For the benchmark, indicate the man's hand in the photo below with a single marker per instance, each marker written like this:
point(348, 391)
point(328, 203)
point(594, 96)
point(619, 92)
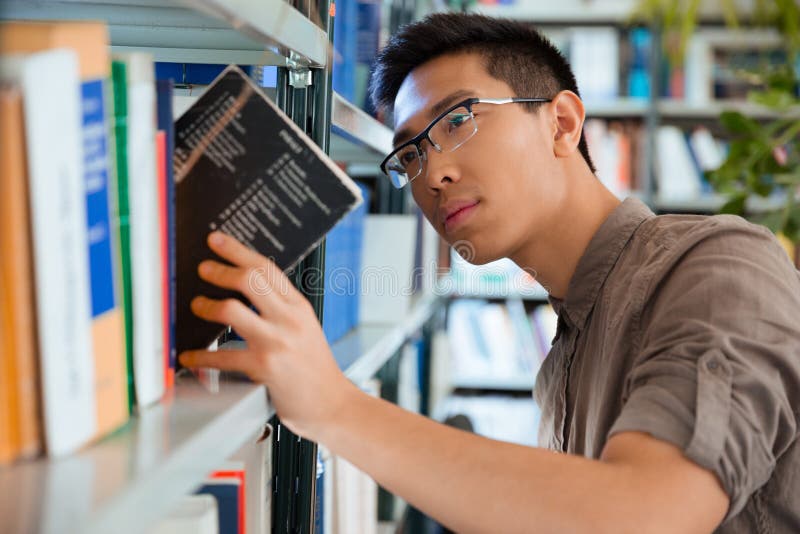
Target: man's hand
point(286, 349)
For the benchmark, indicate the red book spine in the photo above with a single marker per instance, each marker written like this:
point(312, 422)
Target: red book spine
point(236, 473)
point(161, 157)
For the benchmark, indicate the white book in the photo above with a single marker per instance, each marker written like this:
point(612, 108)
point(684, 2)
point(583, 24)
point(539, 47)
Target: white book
point(387, 267)
point(354, 494)
point(146, 256)
point(677, 176)
point(594, 55)
point(194, 514)
point(53, 133)
point(706, 149)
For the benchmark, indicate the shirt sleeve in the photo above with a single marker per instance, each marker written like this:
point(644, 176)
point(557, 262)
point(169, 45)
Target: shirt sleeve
point(718, 369)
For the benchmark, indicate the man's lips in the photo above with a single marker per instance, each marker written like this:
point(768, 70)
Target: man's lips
point(455, 212)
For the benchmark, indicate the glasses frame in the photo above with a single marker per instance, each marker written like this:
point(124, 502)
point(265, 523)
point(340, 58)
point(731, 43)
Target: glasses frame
point(425, 134)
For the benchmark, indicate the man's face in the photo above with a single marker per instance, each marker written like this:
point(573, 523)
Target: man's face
point(501, 188)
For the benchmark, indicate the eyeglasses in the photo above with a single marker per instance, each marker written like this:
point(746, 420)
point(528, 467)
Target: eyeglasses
point(447, 132)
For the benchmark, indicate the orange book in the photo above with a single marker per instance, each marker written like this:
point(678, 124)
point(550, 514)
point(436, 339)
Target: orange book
point(91, 43)
point(8, 425)
point(20, 435)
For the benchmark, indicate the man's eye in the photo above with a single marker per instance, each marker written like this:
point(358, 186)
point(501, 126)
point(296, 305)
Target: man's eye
point(407, 157)
point(456, 120)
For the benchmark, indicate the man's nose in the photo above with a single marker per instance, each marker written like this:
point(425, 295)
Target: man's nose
point(439, 168)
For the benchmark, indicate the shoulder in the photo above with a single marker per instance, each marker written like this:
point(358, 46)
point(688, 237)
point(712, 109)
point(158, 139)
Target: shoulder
point(672, 236)
point(668, 249)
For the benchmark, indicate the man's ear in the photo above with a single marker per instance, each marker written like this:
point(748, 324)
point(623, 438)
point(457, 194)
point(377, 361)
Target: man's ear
point(569, 115)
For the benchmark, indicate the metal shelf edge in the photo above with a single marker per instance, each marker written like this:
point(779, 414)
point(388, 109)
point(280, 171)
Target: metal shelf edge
point(355, 125)
point(369, 362)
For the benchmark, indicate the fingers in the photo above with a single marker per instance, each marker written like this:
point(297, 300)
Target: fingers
point(230, 312)
point(259, 276)
point(241, 361)
point(237, 253)
point(251, 282)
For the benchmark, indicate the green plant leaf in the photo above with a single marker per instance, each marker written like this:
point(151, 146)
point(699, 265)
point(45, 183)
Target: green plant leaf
point(734, 205)
point(773, 98)
point(737, 123)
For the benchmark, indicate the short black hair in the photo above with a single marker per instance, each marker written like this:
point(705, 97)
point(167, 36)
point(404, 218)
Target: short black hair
point(513, 52)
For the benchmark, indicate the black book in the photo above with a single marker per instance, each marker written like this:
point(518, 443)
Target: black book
point(243, 167)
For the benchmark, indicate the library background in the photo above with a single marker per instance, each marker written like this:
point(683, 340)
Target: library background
point(691, 111)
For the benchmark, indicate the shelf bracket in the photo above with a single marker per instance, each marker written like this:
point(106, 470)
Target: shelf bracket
point(299, 74)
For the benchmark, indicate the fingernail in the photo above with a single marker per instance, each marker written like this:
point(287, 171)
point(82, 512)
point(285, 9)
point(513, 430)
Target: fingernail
point(216, 238)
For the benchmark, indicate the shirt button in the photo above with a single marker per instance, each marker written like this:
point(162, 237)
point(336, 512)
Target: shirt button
point(712, 365)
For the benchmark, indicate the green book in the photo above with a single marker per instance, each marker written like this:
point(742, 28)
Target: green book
point(122, 211)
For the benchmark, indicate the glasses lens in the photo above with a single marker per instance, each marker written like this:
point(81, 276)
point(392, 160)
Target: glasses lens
point(404, 166)
point(398, 179)
point(454, 129)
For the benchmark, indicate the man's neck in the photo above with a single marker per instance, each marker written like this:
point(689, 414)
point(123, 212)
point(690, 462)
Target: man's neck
point(554, 255)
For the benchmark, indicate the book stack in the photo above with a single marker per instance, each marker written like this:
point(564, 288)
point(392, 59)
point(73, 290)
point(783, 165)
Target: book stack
point(616, 148)
point(358, 34)
point(682, 159)
point(494, 346)
point(90, 254)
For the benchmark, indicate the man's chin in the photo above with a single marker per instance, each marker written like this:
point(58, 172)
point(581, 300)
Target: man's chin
point(475, 253)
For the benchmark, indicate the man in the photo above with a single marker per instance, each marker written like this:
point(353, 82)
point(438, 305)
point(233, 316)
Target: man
point(670, 395)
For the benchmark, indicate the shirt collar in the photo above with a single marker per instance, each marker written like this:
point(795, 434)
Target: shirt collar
point(598, 259)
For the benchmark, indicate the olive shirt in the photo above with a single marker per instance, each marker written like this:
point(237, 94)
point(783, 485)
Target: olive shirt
point(686, 328)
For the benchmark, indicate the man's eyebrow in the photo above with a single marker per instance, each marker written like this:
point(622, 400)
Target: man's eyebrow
point(406, 133)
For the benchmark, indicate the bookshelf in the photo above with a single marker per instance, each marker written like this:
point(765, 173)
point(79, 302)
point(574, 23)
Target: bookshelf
point(131, 478)
point(127, 481)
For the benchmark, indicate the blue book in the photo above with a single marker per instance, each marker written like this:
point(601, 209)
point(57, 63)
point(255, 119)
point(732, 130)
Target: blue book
point(226, 492)
point(639, 72)
point(357, 246)
point(192, 73)
point(344, 44)
point(108, 327)
point(343, 272)
point(335, 282)
point(368, 37)
point(96, 163)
